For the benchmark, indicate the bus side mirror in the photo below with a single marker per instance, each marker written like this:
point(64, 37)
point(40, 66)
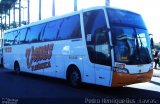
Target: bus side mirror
point(152, 42)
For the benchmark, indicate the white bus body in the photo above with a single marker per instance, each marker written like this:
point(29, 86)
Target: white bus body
point(82, 47)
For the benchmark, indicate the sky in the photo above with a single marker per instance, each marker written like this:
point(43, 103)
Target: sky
point(149, 9)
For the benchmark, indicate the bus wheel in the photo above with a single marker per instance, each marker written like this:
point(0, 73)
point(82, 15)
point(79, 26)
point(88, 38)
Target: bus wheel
point(16, 68)
point(74, 77)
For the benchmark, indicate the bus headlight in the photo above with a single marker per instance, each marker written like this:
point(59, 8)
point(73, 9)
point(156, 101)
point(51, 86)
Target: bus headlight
point(121, 70)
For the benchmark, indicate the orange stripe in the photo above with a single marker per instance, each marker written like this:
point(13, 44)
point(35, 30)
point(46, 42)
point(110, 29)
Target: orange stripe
point(121, 79)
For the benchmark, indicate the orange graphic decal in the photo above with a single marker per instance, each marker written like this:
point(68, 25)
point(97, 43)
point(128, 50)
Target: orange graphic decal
point(39, 57)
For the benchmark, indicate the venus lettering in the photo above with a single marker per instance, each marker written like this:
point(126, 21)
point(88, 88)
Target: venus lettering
point(37, 54)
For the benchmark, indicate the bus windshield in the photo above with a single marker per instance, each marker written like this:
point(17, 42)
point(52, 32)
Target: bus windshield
point(130, 39)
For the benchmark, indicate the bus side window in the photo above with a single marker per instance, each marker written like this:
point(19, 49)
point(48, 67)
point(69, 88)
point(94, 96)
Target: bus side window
point(70, 28)
point(6, 39)
point(102, 48)
point(97, 38)
point(27, 35)
point(50, 31)
point(22, 36)
point(34, 33)
point(9, 38)
point(16, 38)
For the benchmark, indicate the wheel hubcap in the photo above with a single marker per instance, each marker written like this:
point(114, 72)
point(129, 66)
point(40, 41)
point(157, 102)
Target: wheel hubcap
point(74, 78)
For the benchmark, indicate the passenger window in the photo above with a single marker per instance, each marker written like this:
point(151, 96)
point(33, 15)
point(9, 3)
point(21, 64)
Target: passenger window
point(97, 37)
point(70, 28)
point(9, 38)
point(16, 38)
point(34, 32)
point(22, 36)
point(51, 30)
point(102, 47)
point(6, 36)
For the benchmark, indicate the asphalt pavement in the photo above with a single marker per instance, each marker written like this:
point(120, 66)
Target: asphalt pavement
point(28, 88)
point(156, 73)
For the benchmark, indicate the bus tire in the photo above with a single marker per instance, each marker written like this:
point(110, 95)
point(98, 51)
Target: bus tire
point(16, 68)
point(74, 76)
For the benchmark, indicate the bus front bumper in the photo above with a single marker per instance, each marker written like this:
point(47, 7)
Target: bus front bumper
point(122, 79)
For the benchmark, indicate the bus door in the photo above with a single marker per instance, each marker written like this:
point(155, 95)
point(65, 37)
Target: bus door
point(102, 57)
point(98, 47)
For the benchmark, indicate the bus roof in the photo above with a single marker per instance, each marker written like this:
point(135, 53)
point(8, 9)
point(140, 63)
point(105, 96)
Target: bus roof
point(60, 17)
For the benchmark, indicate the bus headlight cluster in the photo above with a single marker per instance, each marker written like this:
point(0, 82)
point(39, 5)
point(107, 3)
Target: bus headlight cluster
point(121, 70)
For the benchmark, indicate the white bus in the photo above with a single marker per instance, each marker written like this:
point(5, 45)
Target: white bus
point(100, 45)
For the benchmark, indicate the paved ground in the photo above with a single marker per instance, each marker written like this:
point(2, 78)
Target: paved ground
point(28, 88)
point(156, 73)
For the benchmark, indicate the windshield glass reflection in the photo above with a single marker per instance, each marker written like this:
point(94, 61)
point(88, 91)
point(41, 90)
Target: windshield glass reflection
point(130, 45)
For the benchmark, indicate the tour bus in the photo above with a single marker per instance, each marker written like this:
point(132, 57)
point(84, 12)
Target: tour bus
point(100, 45)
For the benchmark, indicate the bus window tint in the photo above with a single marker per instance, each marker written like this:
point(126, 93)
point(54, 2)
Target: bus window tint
point(15, 38)
point(51, 31)
point(6, 39)
point(94, 20)
point(22, 36)
point(9, 38)
point(33, 33)
point(70, 28)
point(102, 47)
point(98, 46)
